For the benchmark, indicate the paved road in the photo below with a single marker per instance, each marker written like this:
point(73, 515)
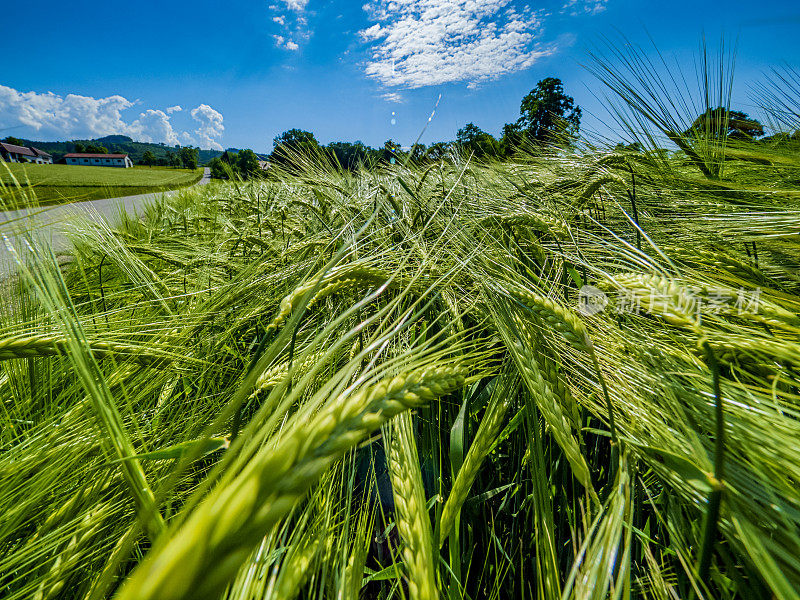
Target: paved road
point(52, 222)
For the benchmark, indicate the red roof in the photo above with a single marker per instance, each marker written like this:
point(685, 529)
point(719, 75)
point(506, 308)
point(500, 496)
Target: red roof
point(11, 148)
point(79, 155)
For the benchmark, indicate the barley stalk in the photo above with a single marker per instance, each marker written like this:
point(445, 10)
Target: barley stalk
point(539, 221)
point(204, 554)
point(72, 555)
point(336, 280)
point(411, 515)
point(521, 343)
point(295, 569)
point(490, 426)
point(33, 346)
point(717, 258)
point(595, 185)
point(658, 296)
point(551, 314)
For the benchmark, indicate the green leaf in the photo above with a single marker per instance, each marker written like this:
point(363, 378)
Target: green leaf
point(178, 450)
point(390, 572)
point(576, 278)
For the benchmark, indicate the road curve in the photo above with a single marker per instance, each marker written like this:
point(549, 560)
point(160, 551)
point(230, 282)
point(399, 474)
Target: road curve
point(52, 222)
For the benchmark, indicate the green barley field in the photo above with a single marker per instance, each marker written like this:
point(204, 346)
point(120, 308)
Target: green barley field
point(58, 184)
point(573, 374)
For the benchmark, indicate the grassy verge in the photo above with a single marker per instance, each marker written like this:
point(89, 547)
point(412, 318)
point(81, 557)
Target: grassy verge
point(21, 185)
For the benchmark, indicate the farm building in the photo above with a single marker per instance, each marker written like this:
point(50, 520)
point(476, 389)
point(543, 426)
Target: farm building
point(99, 160)
point(23, 154)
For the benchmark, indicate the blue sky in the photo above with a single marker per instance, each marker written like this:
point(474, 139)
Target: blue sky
point(237, 74)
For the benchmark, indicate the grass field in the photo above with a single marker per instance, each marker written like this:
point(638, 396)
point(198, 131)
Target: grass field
point(571, 375)
point(57, 184)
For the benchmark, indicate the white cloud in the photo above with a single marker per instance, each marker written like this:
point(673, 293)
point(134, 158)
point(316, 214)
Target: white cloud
point(211, 127)
point(395, 97)
point(428, 42)
point(72, 115)
point(51, 116)
point(584, 7)
point(293, 24)
point(296, 5)
point(153, 126)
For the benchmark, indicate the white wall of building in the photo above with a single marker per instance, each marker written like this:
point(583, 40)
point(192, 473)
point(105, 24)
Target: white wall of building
point(101, 162)
point(21, 158)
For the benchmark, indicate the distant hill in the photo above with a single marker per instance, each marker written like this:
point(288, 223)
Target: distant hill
point(118, 143)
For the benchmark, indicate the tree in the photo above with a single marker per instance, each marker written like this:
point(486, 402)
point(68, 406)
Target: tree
point(189, 157)
point(219, 168)
point(548, 115)
point(295, 141)
point(79, 148)
point(149, 158)
point(512, 138)
point(349, 155)
point(391, 151)
point(292, 146)
point(473, 140)
point(733, 124)
point(95, 149)
point(438, 151)
point(14, 141)
point(418, 152)
point(247, 163)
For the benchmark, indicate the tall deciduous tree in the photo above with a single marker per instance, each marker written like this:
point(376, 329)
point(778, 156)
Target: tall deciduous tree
point(149, 158)
point(548, 114)
point(295, 141)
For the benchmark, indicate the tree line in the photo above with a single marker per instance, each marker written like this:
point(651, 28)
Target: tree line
point(547, 116)
point(141, 153)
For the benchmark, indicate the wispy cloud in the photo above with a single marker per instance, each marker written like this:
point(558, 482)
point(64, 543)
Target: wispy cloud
point(49, 115)
point(296, 5)
point(418, 43)
point(395, 97)
point(293, 23)
point(584, 7)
